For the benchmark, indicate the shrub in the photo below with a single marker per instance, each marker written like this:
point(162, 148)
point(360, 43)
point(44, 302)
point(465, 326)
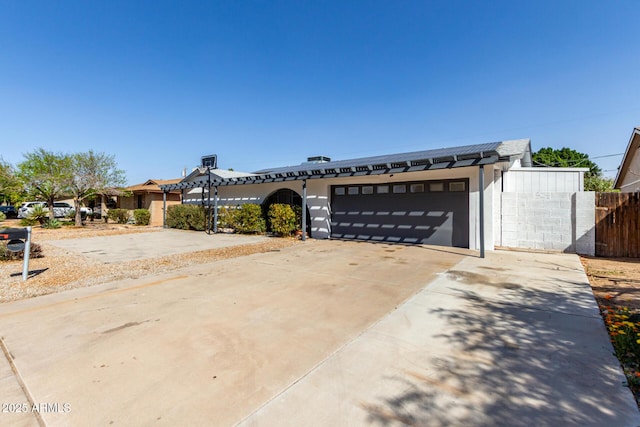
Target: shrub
point(72, 215)
point(51, 223)
point(142, 216)
point(2, 216)
point(227, 217)
point(282, 219)
point(249, 219)
point(27, 222)
point(7, 255)
point(186, 217)
point(120, 216)
point(38, 214)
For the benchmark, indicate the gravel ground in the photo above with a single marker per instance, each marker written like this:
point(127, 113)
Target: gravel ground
point(60, 270)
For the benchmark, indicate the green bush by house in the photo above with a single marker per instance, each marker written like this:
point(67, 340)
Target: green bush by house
point(282, 219)
point(249, 219)
point(227, 217)
point(186, 217)
point(120, 216)
point(142, 216)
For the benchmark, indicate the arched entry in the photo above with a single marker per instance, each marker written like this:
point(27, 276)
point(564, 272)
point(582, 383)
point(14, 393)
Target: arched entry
point(288, 197)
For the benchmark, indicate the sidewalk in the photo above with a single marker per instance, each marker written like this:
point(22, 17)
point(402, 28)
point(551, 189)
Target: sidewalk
point(512, 340)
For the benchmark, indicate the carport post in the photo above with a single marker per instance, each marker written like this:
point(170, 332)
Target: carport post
point(481, 191)
point(304, 210)
point(164, 209)
point(208, 201)
point(215, 209)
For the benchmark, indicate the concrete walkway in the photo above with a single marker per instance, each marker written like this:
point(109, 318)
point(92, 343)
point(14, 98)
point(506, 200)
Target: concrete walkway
point(326, 333)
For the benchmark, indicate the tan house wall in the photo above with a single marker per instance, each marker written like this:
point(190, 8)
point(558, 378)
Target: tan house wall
point(151, 201)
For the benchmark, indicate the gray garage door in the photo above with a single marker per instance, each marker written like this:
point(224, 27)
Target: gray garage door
point(423, 212)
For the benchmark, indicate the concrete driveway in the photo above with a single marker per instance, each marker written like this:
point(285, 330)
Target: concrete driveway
point(135, 246)
point(325, 333)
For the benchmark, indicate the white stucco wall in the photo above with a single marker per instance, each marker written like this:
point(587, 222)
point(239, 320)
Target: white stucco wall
point(234, 195)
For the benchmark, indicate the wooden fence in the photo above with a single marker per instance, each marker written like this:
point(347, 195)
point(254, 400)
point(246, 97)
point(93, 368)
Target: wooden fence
point(618, 225)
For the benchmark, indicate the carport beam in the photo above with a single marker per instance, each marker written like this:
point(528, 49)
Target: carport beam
point(304, 210)
point(481, 213)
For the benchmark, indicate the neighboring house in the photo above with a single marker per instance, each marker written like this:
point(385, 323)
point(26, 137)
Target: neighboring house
point(628, 177)
point(475, 196)
point(148, 195)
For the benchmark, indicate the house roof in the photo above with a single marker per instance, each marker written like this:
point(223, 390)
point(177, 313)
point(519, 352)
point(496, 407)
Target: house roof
point(442, 158)
point(153, 185)
point(216, 174)
point(632, 147)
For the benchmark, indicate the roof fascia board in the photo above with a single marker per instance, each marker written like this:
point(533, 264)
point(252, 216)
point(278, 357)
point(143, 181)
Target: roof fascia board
point(632, 146)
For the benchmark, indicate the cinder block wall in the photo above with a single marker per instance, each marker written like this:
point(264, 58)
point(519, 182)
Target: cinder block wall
point(553, 221)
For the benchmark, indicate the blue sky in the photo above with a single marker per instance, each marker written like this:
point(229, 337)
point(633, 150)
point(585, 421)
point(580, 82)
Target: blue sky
point(158, 84)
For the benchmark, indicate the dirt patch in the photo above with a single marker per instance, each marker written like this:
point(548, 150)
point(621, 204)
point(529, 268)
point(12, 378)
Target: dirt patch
point(615, 281)
point(616, 286)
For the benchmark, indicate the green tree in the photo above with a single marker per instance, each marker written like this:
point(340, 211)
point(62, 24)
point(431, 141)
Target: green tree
point(9, 184)
point(598, 183)
point(45, 174)
point(565, 158)
point(568, 158)
point(92, 173)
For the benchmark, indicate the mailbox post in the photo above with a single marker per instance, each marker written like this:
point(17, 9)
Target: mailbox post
point(19, 239)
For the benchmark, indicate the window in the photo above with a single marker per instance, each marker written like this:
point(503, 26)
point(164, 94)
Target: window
point(354, 190)
point(436, 186)
point(416, 188)
point(382, 189)
point(456, 186)
point(399, 188)
point(338, 191)
point(367, 189)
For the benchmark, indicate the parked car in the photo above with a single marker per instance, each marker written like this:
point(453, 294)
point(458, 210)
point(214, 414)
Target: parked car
point(26, 208)
point(60, 209)
point(9, 211)
point(63, 209)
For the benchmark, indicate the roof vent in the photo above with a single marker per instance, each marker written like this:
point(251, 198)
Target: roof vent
point(318, 159)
